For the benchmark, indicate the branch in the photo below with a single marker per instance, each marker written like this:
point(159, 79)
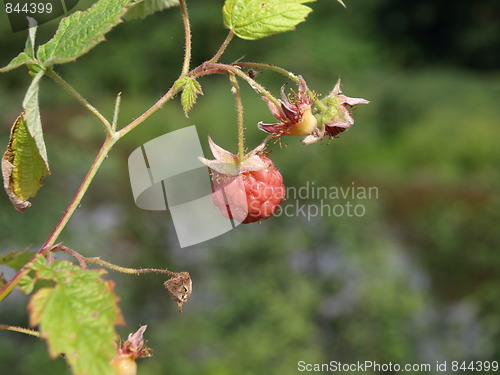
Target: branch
point(60, 81)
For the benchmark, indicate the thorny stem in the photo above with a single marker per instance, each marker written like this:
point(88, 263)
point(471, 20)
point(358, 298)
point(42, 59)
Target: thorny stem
point(222, 48)
point(96, 260)
point(273, 68)
point(59, 80)
point(27, 331)
point(187, 31)
point(239, 111)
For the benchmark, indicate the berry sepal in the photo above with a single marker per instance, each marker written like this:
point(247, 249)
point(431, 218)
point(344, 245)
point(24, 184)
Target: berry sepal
point(229, 164)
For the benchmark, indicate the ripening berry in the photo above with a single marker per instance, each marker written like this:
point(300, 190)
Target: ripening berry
point(245, 189)
point(250, 196)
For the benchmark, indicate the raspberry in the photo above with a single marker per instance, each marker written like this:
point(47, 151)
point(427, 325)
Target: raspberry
point(249, 196)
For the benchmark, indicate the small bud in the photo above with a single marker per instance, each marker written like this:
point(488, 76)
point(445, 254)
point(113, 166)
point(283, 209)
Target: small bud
point(179, 287)
point(129, 351)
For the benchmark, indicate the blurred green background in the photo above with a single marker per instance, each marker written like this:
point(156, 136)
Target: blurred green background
point(416, 279)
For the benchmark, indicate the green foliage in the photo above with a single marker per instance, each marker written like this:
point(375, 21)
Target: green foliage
point(27, 56)
point(255, 19)
point(81, 31)
point(143, 8)
point(32, 116)
point(77, 315)
point(414, 281)
point(15, 259)
point(23, 166)
point(190, 91)
point(21, 59)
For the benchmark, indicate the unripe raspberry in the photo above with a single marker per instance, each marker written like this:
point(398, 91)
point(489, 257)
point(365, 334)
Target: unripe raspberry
point(124, 364)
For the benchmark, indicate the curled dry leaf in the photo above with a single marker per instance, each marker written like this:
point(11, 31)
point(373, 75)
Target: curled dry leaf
point(23, 167)
point(179, 287)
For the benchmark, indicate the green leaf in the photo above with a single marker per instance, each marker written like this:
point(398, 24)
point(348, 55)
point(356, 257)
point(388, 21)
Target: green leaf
point(28, 55)
point(26, 284)
point(82, 31)
point(255, 19)
point(32, 116)
point(16, 259)
point(144, 8)
point(77, 316)
point(30, 42)
point(191, 89)
point(16, 62)
point(23, 168)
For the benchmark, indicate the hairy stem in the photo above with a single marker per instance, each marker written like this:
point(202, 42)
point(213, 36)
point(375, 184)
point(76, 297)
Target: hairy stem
point(257, 87)
point(59, 80)
point(96, 260)
point(116, 111)
point(101, 156)
point(239, 111)
point(130, 271)
point(155, 107)
point(26, 331)
point(223, 47)
point(273, 68)
point(187, 31)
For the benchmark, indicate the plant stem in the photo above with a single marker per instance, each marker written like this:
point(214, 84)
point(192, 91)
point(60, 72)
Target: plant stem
point(155, 107)
point(59, 80)
point(222, 48)
point(101, 156)
point(273, 68)
point(96, 260)
point(130, 271)
point(239, 111)
point(27, 331)
point(187, 31)
point(116, 111)
point(237, 71)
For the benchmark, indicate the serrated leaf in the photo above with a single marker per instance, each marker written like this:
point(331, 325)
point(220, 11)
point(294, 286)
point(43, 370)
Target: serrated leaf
point(26, 284)
point(23, 168)
point(144, 8)
point(15, 259)
point(191, 90)
point(255, 19)
point(77, 317)
point(82, 31)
